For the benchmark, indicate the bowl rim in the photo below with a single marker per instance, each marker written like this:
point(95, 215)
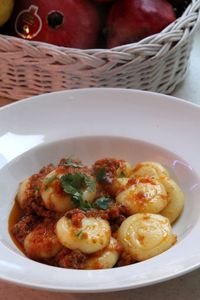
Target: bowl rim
point(113, 94)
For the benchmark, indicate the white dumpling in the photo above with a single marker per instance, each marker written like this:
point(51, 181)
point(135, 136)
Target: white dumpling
point(118, 185)
point(42, 242)
point(93, 235)
point(150, 169)
point(22, 192)
point(145, 196)
point(146, 235)
point(124, 169)
point(107, 169)
point(88, 195)
point(176, 200)
point(105, 258)
point(54, 196)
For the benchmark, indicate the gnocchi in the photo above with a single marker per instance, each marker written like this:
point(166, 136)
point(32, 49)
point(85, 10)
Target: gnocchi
point(150, 169)
point(146, 235)
point(176, 200)
point(106, 258)
point(112, 174)
point(22, 193)
point(144, 196)
point(53, 195)
point(105, 215)
point(93, 234)
point(42, 242)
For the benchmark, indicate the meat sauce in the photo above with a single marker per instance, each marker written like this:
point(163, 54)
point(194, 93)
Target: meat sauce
point(21, 224)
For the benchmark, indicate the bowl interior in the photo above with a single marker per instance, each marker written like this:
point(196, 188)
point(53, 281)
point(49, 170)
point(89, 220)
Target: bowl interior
point(88, 149)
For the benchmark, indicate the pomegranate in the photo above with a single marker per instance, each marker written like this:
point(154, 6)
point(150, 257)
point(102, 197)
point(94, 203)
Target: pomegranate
point(70, 23)
point(131, 20)
point(104, 1)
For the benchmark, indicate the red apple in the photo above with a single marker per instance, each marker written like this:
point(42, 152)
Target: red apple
point(131, 20)
point(70, 23)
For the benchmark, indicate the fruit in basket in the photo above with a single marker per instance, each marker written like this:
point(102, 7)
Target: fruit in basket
point(70, 23)
point(104, 1)
point(179, 6)
point(6, 8)
point(131, 20)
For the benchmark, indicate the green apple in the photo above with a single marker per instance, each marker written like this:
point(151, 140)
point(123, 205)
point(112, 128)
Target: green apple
point(6, 8)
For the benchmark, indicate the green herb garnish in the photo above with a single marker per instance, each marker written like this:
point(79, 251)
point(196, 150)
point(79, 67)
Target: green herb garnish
point(71, 163)
point(102, 203)
point(101, 175)
point(73, 184)
point(36, 188)
point(49, 180)
point(79, 234)
point(90, 183)
point(122, 174)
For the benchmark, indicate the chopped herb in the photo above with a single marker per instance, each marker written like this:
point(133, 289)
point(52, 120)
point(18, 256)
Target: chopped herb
point(50, 179)
point(90, 183)
point(79, 234)
point(85, 205)
point(122, 174)
point(77, 199)
point(36, 188)
point(102, 203)
point(101, 175)
point(73, 184)
point(71, 163)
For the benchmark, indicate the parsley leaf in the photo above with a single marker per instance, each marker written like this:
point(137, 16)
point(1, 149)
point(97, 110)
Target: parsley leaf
point(90, 183)
point(79, 234)
point(102, 203)
point(122, 174)
point(73, 184)
point(101, 175)
point(71, 163)
point(36, 188)
point(85, 205)
point(48, 180)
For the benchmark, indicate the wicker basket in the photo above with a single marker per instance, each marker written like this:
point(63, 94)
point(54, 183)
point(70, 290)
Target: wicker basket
point(157, 63)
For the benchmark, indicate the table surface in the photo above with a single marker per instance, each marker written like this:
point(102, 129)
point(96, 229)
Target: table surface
point(182, 288)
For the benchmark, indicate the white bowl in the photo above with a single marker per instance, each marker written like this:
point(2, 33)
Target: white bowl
point(90, 124)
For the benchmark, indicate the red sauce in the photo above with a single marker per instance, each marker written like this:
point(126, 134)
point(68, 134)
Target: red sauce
point(15, 215)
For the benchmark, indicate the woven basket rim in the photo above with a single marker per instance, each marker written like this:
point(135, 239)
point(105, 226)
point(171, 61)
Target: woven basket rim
point(177, 26)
